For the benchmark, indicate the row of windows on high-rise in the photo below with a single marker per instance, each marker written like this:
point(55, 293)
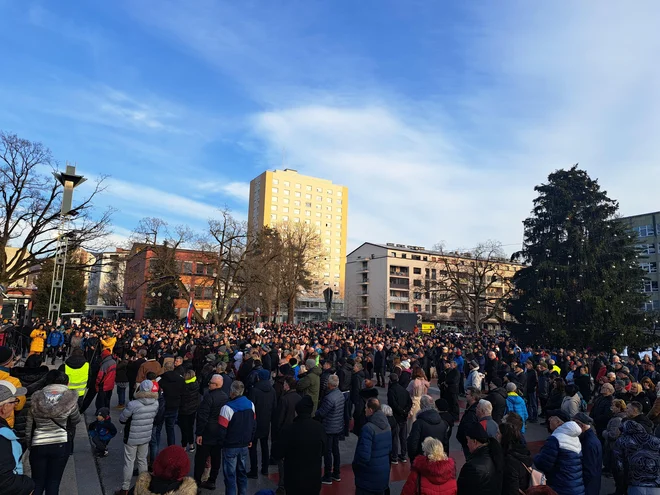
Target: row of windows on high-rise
point(308, 188)
point(646, 230)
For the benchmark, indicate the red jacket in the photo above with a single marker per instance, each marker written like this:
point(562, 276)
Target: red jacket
point(438, 478)
point(106, 375)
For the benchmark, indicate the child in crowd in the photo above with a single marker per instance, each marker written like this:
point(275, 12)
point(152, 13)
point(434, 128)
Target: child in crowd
point(102, 431)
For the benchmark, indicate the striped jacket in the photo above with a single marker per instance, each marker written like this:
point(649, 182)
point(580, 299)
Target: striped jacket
point(238, 423)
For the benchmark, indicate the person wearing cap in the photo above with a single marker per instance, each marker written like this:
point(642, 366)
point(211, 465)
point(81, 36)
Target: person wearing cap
point(482, 472)
point(169, 476)
point(560, 458)
point(102, 431)
point(7, 360)
point(51, 421)
point(105, 379)
point(138, 418)
point(12, 479)
point(592, 454)
point(309, 383)
point(475, 378)
point(302, 444)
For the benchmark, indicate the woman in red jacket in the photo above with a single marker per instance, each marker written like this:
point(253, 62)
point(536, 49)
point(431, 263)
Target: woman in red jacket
point(432, 473)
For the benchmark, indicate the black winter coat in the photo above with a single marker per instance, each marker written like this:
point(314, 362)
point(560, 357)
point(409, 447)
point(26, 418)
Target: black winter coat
point(380, 360)
point(601, 413)
point(359, 415)
point(399, 400)
point(121, 373)
point(583, 383)
point(480, 474)
point(132, 369)
point(516, 476)
point(357, 384)
point(452, 380)
point(263, 397)
point(428, 424)
point(285, 412)
point(497, 398)
point(190, 397)
point(172, 384)
point(345, 375)
point(532, 381)
point(302, 445)
point(207, 416)
point(469, 416)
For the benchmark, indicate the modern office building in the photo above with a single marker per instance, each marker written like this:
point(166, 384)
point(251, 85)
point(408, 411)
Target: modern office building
point(287, 197)
point(106, 278)
point(384, 279)
point(647, 227)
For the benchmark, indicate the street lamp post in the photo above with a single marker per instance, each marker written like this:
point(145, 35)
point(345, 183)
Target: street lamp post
point(70, 181)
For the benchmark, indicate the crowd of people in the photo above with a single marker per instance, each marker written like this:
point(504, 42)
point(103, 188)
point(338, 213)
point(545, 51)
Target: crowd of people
point(244, 399)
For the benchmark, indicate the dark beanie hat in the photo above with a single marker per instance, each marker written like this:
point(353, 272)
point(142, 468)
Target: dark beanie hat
point(263, 375)
point(442, 405)
point(305, 406)
point(172, 463)
point(497, 381)
point(476, 432)
point(5, 354)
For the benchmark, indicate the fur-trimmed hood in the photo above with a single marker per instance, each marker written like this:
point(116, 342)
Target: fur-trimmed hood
point(54, 401)
point(146, 395)
point(142, 486)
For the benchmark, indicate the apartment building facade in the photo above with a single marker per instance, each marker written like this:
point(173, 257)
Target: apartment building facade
point(106, 278)
point(647, 229)
point(385, 279)
point(286, 197)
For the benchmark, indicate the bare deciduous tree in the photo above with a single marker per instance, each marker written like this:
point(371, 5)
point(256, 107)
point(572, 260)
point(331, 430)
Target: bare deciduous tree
point(472, 282)
point(30, 209)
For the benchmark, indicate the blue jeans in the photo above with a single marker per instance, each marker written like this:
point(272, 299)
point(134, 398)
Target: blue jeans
point(121, 395)
point(234, 468)
point(170, 421)
point(532, 406)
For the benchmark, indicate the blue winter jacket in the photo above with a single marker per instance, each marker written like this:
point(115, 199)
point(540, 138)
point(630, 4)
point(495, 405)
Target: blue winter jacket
point(516, 404)
point(331, 412)
point(55, 339)
point(592, 461)
point(371, 463)
point(104, 430)
point(561, 460)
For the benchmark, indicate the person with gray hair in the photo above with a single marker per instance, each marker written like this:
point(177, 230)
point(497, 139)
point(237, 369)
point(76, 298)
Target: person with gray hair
point(309, 383)
point(484, 411)
point(428, 423)
point(331, 414)
point(12, 479)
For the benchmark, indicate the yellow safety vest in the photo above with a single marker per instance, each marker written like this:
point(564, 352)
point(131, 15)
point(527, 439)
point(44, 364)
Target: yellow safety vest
point(78, 378)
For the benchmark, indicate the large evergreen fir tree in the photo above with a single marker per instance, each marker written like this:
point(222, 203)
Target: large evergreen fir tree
point(581, 286)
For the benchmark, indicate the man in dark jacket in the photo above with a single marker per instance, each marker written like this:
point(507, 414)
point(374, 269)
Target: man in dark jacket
point(173, 385)
point(325, 374)
point(428, 424)
point(301, 445)
point(601, 412)
point(399, 400)
point(345, 375)
point(472, 397)
point(380, 363)
point(532, 399)
point(371, 463)
point(132, 371)
point(262, 395)
point(331, 413)
point(482, 472)
point(497, 397)
point(449, 388)
point(592, 454)
point(266, 361)
point(206, 432)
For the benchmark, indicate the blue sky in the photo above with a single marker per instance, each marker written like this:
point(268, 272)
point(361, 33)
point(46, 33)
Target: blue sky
point(440, 118)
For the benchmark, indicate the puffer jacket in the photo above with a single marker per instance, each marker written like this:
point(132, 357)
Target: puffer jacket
point(516, 404)
point(331, 412)
point(592, 462)
point(637, 454)
point(428, 424)
point(371, 463)
point(561, 460)
point(55, 339)
point(5, 375)
point(38, 337)
point(138, 416)
point(190, 397)
point(33, 379)
point(437, 478)
point(310, 384)
point(54, 413)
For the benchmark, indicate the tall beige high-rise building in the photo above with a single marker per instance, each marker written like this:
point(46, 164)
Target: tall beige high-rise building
point(285, 196)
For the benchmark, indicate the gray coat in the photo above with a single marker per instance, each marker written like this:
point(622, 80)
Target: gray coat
point(331, 412)
point(54, 413)
point(138, 416)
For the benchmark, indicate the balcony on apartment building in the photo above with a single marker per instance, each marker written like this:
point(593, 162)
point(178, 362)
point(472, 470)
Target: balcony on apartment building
point(399, 283)
point(364, 268)
point(399, 271)
point(364, 280)
point(399, 299)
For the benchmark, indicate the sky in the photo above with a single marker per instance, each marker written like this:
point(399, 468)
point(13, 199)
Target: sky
point(440, 117)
